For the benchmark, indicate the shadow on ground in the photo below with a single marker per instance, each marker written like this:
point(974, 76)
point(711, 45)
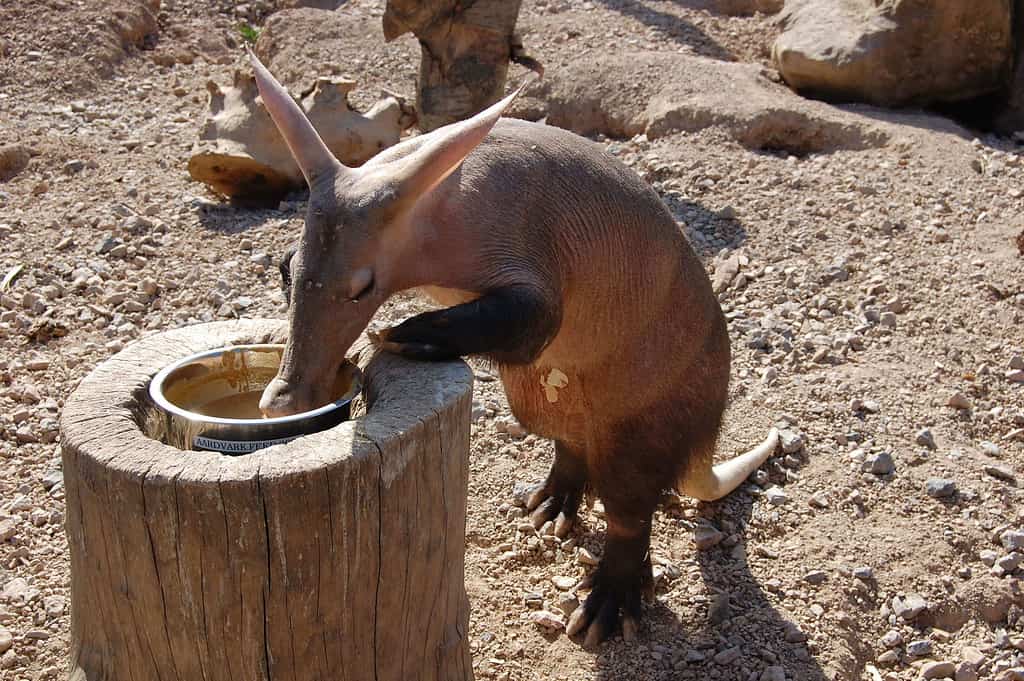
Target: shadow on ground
point(236, 218)
point(673, 26)
point(738, 635)
point(708, 231)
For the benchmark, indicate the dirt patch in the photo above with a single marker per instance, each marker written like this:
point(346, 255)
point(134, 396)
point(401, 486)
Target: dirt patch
point(873, 282)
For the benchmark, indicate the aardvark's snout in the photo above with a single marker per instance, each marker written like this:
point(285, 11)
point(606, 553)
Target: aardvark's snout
point(281, 398)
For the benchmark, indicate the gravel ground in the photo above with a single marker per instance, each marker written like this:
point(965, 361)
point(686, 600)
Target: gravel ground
point(875, 301)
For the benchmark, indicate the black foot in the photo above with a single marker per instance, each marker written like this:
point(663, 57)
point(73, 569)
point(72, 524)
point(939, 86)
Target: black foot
point(622, 579)
point(598, 617)
point(559, 497)
point(424, 352)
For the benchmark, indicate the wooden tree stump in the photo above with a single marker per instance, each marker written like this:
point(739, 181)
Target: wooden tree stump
point(336, 556)
point(466, 48)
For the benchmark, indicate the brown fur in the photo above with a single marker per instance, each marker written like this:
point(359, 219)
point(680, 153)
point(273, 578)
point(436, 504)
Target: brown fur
point(642, 338)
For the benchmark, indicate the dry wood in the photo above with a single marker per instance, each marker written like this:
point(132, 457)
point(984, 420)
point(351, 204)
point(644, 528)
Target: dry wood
point(466, 47)
point(337, 556)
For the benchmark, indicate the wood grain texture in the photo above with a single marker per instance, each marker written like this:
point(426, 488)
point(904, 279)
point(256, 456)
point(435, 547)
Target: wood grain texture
point(465, 51)
point(338, 556)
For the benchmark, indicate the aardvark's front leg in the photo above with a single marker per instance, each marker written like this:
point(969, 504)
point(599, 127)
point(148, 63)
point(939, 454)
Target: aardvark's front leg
point(511, 325)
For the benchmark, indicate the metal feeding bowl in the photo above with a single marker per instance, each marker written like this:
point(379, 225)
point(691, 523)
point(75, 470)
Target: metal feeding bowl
point(211, 401)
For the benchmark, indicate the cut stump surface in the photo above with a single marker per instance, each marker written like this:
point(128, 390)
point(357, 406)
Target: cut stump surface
point(336, 556)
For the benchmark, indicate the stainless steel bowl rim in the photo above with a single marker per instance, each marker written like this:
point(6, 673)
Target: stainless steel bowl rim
point(156, 393)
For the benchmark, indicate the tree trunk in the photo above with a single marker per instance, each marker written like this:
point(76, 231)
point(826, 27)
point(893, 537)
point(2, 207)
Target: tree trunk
point(336, 556)
point(466, 47)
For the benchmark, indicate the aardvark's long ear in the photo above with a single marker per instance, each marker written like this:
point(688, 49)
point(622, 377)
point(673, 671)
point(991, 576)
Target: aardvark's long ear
point(308, 149)
point(441, 151)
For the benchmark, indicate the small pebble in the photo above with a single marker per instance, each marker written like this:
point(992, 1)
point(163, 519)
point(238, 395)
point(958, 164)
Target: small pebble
point(880, 464)
point(728, 656)
point(776, 496)
point(563, 583)
point(921, 648)
point(940, 488)
point(909, 606)
point(892, 639)
point(925, 438)
point(938, 670)
point(958, 401)
point(547, 620)
point(1004, 473)
point(1012, 540)
point(864, 573)
point(705, 537)
point(816, 577)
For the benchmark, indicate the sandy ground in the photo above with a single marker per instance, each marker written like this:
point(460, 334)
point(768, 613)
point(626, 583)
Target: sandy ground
point(874, 294)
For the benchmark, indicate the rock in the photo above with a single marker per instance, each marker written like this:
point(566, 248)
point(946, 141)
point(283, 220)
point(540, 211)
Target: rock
point(725, 271)
point(54, 606)
point(921, 648)
point(888, 658)
point(563, 583)
point(6, 640)
point(973, 656)
point(864, 573)
point(607, 93)
point(719, 610)
point(791, 441)
point(938, 670)
point(988, 557)
point(925, 438)
point(242, 155)
point(1017, 362)
point(727, 656)
point(1015, 376)
point(1012, 540)
point(816, 577)
point(773, 673)
point(1001, 472)
point(510, 426)
point(14, 158)
point(909, 606)
point(776, 496)
point(794, 634)
point(1010, 562)
point(958, 401)
point(585, 557)
point(883, 53)
point(521, 491)
point(51, 479)
point(880, 464)
point(8, 528)
point(892, 639)
point(567, 603)
point(705, 537)
point(547, 620)
point(17, 592)
point(940, 488)
point(965, 672)
point(818, 500)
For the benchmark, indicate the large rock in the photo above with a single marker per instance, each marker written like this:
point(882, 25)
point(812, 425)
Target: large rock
point(895, 52)
point(626, 94)
point(242, 155)
point(1007, 114)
